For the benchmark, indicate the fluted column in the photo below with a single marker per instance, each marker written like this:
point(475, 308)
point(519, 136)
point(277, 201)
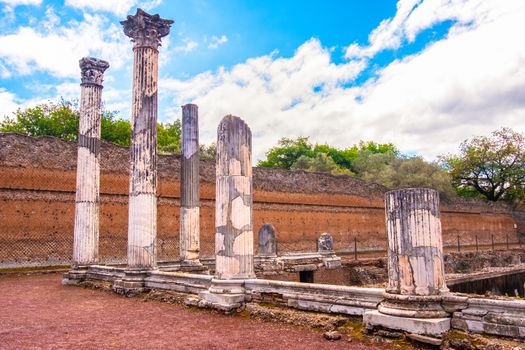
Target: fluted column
point(233, 213)
point(413, 301)
point(415, 254)
point(189, 186)
point(146, 32)
point(86, 231)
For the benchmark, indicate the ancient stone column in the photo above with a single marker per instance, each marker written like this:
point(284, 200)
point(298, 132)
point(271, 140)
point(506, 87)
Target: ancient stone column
point(189, 186)
point(415, 265)
point(233, 208)
point(415, 248)
point(146, 32)
point(233, 216)
point(85, 246)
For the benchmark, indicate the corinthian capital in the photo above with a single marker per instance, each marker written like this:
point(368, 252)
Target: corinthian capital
point(92, 70)
point(145, 29)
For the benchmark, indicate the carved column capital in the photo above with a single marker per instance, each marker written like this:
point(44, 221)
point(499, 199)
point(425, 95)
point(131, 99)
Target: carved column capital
point(145, 29)
point(92, 70)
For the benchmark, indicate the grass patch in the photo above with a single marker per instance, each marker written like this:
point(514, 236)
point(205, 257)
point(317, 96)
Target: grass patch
point(34, 268)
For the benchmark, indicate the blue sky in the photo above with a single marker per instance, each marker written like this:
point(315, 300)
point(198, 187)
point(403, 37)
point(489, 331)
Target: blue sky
point(423, 74)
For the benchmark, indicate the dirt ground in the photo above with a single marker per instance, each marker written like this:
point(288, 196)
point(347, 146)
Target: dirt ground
point(37, 312)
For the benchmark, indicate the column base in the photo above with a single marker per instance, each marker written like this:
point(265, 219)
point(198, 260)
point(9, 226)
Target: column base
point(432, 327)
point(132, 283)
point(75, 276)
point(224, 295)
point(413, 306)
point(192, 266)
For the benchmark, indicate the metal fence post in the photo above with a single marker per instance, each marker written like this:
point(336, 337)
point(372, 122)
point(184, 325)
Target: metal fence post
point(355, 248)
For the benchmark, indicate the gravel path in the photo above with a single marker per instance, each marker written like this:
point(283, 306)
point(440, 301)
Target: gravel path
point(37, 312)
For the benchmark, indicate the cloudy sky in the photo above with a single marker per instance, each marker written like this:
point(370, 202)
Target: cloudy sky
point(422, 74)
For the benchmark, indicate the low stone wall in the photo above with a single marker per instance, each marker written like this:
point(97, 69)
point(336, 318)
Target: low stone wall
point(488, 316)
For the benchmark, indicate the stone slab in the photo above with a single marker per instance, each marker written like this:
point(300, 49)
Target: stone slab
point(431, 326)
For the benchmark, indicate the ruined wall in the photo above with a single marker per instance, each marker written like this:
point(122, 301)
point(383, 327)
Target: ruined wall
point(37, 184)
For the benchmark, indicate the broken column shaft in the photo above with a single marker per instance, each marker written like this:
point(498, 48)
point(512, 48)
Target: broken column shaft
point(189, 186)
point(233, 213)
point(146, 32)
point(86, 231)
point(415, 252)
point(413, 299)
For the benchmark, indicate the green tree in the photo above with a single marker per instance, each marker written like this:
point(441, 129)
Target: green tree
point(51, 119)
point(169, 137)
point(61, 120)
point(492, 167)
point(394, 171)
point(287, 153)
point(115, 130)
point(321, 162)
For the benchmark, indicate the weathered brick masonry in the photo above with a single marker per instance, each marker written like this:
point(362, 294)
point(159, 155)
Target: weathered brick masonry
point(37, 197)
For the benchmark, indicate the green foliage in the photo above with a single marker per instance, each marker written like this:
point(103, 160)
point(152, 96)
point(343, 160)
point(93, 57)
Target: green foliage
point(371, 161)
point(51, 119)
point(394, 171)
point(115, 130)
point(61, 120)
point(208, 152)
point(321, 162)
point(169, 137)
point(491, 167)
point(287, 153)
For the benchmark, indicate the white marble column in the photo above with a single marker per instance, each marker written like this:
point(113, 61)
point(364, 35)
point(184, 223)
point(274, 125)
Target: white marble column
point(233, 211)
point(189, 187)
point(233, 216)
point(415, 248)
point(146, 32)
point(416, 282)
point(86, 232)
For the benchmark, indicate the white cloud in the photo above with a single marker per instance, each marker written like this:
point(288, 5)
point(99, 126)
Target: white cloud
point(275, 95)
point(187, 46)
point(63, 46)
point(8, 103)
point(117, 7)
point(14, 3)
point(216, 41)
point(469, 83)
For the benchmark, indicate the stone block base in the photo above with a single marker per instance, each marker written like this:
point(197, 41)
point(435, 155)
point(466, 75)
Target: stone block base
point(132, 283)
point(75, 276)
point(223, 302)
point(193, 266)
point(434, 327)
point(224, 295)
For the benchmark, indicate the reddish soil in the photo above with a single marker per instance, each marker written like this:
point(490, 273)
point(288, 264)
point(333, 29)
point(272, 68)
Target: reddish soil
point(37, 312)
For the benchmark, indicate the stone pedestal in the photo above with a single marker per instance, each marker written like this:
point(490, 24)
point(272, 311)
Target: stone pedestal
point(267, 241)
point(233, 214)
point(189, 191)
point(416, 280)
point(132, 283)
point(86, 231)
point(75, 276)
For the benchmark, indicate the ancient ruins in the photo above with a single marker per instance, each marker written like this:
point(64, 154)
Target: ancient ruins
point(416, 302)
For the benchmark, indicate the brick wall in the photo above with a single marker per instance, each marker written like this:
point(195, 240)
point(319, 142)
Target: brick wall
point(37, 194)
